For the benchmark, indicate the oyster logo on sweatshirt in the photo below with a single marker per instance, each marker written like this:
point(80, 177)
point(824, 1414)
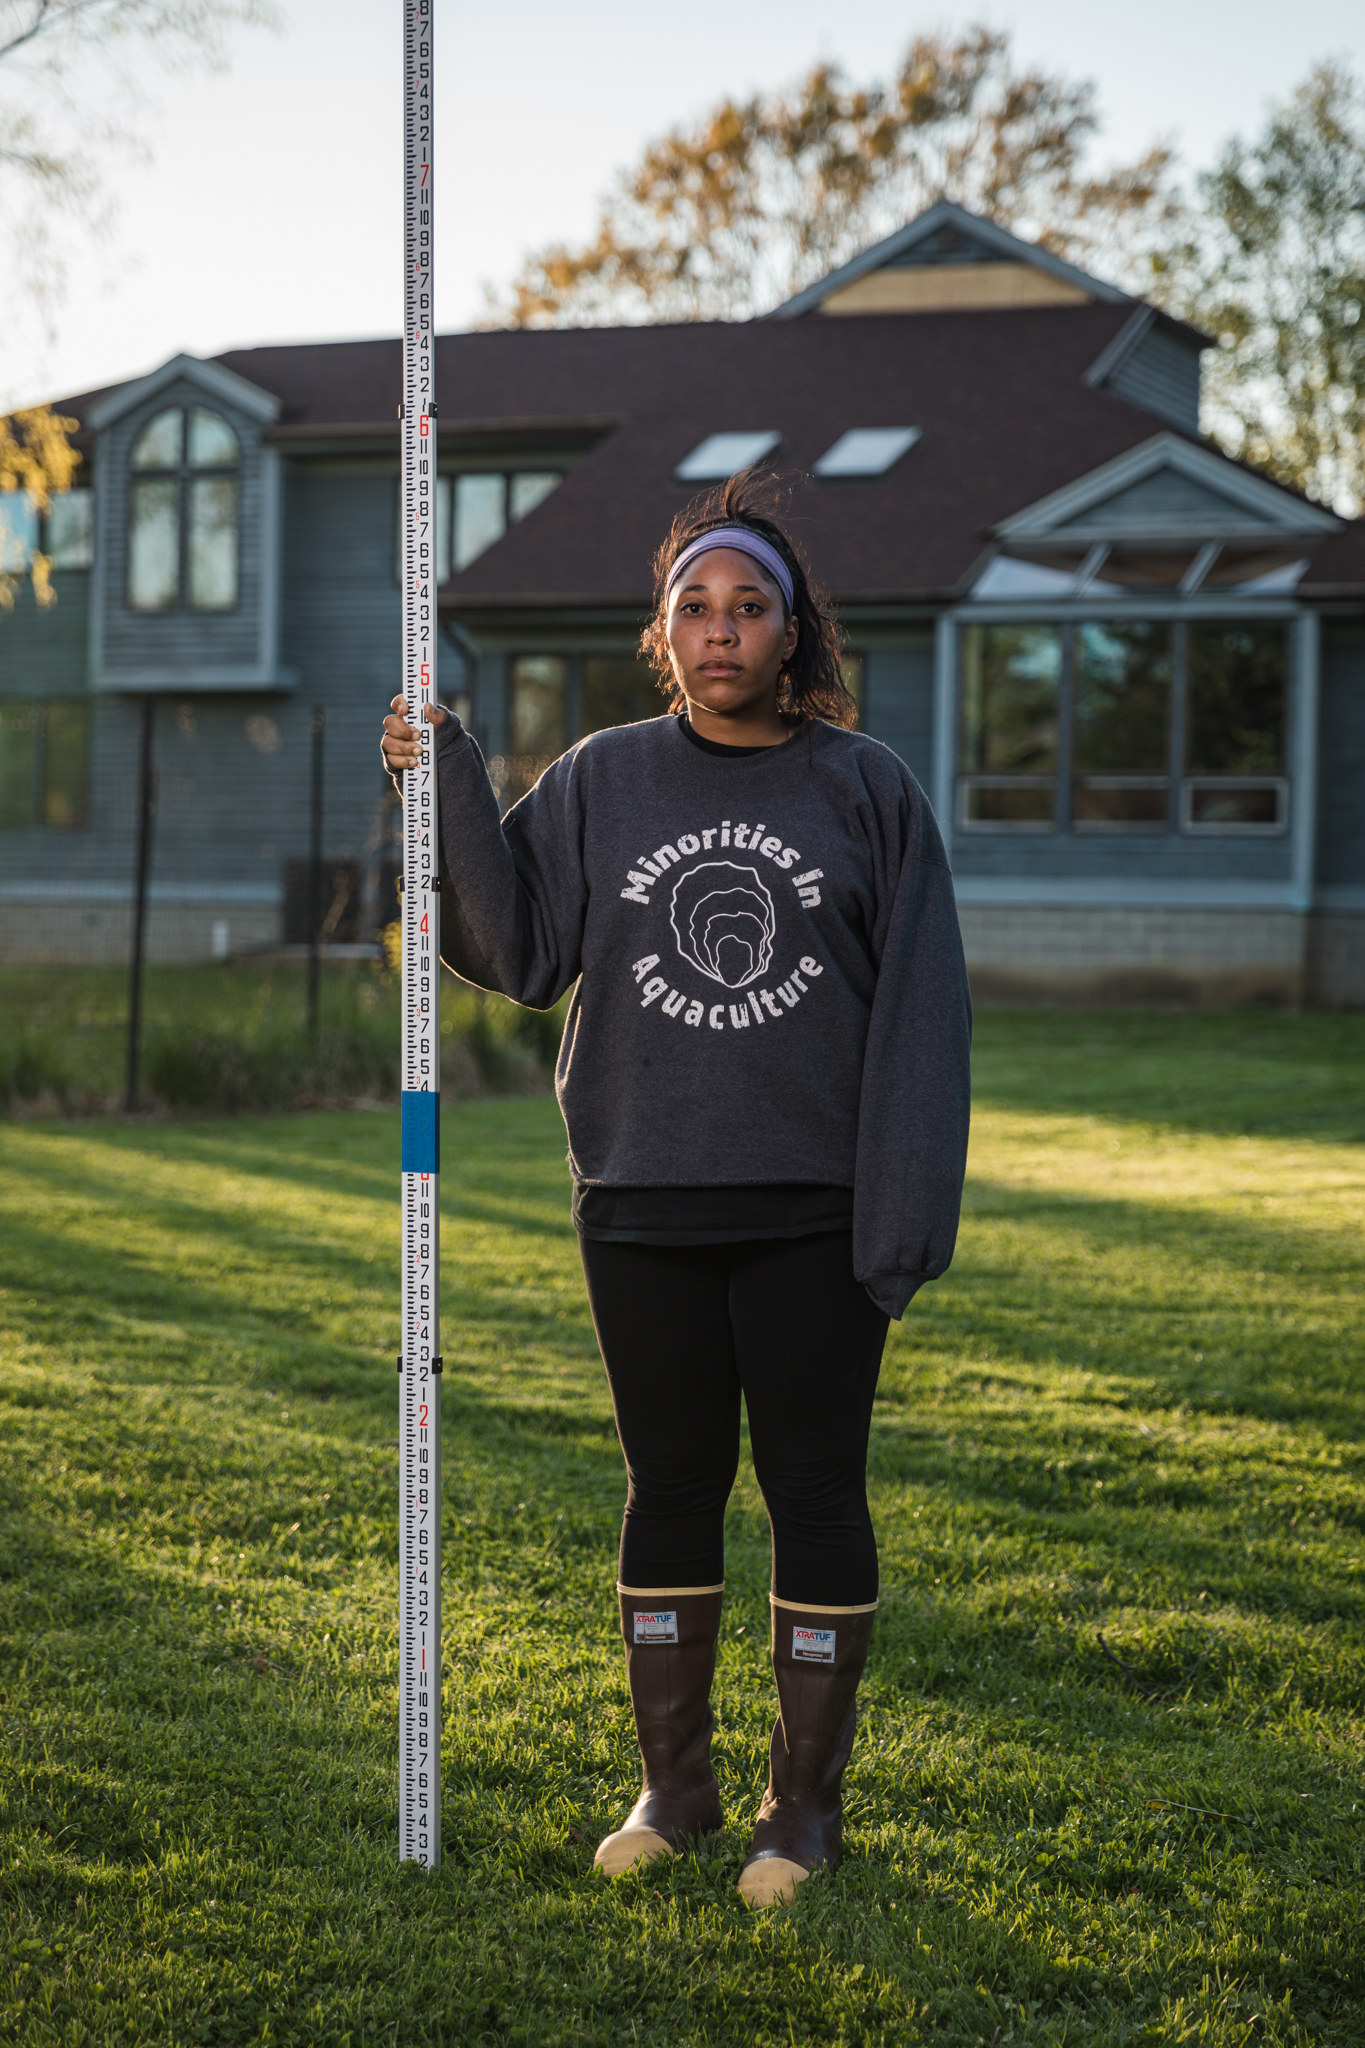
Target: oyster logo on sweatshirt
point(724, 922)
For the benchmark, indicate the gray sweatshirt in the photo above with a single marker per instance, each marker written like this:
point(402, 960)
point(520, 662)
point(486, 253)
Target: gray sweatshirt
point(770, 982)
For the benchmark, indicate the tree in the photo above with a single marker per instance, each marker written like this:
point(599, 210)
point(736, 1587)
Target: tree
point(36, 460)
point(727, 219)
point(1273, 265)
point(57, 68)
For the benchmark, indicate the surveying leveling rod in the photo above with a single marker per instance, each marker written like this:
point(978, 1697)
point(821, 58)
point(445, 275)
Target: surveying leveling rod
point(419, 1363)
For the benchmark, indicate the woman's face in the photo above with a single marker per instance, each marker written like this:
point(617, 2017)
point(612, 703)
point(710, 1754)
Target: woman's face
point(728, 634)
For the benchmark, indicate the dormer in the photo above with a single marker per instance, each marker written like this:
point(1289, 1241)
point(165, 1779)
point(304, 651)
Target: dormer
point(952, 261)
point(1168, 518)
point(187, 516)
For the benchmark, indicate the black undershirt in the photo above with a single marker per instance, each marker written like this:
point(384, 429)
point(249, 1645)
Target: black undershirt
point(710, 1215)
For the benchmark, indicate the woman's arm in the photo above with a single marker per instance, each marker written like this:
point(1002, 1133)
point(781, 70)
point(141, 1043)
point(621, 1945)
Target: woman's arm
point(916, 1092)
point(513, 893)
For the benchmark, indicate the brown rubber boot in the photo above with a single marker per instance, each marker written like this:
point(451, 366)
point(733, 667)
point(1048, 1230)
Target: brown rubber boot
point(670, 1658)
point(818, 1659)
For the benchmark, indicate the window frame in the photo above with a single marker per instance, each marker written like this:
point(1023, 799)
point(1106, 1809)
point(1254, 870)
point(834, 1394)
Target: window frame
point(1180, 780)
point(184, 475)
point(447, 494)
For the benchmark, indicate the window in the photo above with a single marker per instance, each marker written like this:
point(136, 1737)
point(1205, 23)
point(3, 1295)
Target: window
point(555, 699)
point(18, 762)
point(721, 455)
point(182, 530)
point(866, 451)
point(1235, 728)
point(537, 723)
point(1121, 745)
point(18, 532)
point(44, 764)
point(617, 690)
point(1011, 681)
point(480, 517)
point(527, 488)
point(69, 530)
point(1078, 727)
point(475, 509)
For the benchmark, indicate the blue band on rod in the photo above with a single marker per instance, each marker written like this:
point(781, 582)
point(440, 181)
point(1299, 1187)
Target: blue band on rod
point(421, 1131)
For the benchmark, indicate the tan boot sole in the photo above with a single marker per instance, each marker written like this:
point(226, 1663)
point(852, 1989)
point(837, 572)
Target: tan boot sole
point(771, 1881)
point(627, 1847)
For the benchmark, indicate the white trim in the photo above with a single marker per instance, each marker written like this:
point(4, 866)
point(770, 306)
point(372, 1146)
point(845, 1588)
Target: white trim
point(224, 385)
point(945, 722)
point(1058, 611)
point(99, 574)
point(269, 564)
point(268, 893)
point(1081, 892)
point(1269, 508)
point(1245, 829)
point(1303, 755)
point(1200, 567)
point(1115, 353)
point(160, 682)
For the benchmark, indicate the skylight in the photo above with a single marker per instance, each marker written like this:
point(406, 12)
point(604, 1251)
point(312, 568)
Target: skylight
point(720, 455)
point(866, 451)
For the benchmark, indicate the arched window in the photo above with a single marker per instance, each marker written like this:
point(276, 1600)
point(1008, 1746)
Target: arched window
point(182, 527)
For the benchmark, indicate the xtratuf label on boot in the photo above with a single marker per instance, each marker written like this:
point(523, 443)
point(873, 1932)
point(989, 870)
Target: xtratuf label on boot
point(813, 1645)
point(656, 1625)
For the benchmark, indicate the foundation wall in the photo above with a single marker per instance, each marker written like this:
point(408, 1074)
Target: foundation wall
point(1127, 954)
point(1015, 952)
point(1336, 960)
point(72, 934)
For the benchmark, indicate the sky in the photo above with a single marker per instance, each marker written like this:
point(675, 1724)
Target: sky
point(264, 202)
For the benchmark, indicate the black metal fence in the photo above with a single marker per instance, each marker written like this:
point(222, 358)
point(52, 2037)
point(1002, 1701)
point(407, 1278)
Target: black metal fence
point(210, 894)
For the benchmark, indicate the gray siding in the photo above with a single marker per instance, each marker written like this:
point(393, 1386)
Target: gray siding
point(898, 700)
point(1161, 374)
point(43, 653)
point(1137, 857)
point(1341, 760)
point(233, 767)
point(342, 633)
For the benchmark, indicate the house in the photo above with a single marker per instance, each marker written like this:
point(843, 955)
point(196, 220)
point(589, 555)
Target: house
point(1129, 672)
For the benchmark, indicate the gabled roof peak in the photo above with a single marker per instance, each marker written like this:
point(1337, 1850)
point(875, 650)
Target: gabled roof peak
point(212, 378)
point(1167, 488)
point(946, 239)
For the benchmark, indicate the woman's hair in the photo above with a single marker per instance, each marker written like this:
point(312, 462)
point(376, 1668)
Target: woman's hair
point(811, 684)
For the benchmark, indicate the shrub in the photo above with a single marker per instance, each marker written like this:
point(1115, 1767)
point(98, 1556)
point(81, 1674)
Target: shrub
point(35, 1069)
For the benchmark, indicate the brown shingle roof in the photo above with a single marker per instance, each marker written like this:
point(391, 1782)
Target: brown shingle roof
point(1000, 398)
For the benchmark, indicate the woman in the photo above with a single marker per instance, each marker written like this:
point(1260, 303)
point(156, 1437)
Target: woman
point(764, 1074)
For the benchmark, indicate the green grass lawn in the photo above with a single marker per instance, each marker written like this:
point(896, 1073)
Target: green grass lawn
point(1132, 1412)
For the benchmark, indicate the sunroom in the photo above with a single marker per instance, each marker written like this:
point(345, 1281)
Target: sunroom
point(1131, 663)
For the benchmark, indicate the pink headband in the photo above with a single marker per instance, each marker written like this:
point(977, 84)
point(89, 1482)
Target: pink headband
point(748, 543)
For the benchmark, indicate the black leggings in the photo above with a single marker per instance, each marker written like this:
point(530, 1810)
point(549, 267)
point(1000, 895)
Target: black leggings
point(684, 1329)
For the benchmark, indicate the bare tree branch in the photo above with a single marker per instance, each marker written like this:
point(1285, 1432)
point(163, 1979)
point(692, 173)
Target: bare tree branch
point(57, 61)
